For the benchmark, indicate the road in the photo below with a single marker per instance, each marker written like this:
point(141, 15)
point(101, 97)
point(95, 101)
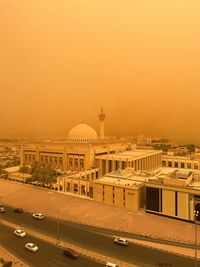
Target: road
point(47, 255)
point(96, 240)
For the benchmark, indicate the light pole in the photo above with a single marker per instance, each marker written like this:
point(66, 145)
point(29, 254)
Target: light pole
point(58, 233)
point(196, 214)
point(58, 227)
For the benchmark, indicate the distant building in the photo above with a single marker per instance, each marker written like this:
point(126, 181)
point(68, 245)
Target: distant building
point(178, 151)
point(143, 140)
point(183, 162)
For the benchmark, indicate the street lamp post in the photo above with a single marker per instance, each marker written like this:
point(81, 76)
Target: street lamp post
point(58, 233)
point(58, 227)
point(196, 214)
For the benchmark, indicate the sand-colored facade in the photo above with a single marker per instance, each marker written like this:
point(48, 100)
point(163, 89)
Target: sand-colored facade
point(68, 155)
point(119, 192)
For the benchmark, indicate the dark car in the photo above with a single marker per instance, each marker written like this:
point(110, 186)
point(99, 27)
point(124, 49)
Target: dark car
point(2, 209)
point(18, 210)
point(70, 253)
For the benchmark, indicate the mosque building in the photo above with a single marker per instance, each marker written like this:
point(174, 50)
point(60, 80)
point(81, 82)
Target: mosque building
point(85, 158)
point(78, 152)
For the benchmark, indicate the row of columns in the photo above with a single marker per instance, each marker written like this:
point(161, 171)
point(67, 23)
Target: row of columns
point(148, 163)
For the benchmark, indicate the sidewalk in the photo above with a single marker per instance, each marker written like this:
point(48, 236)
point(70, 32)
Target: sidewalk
point(7, 256)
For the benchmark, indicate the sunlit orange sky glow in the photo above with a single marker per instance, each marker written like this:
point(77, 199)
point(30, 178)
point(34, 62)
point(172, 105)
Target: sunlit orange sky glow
point(60, 60)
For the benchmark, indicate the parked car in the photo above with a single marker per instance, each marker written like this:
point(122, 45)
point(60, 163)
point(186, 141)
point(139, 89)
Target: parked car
point(70, 253)
point(2, 209)
point(19, 233)
point(38, 216)
point(31, 247)
point(18, 210)
point(121, 241)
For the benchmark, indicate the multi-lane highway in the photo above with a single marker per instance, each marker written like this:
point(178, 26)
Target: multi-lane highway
point(47, 255)
point(99, 240)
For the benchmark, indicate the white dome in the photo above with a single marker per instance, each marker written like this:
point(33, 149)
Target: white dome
point(82, 133)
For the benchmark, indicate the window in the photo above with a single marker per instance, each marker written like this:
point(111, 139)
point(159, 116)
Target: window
point(169, 164)
point(75, 188)
point(76, 164)
point(68, 187)
point(189, 165)
point(182, 165)
point(152, 199)
point(175, 164)
point(196, 166)
point(70, 163)
point(123, 165)
point(81, 164)
point(83, 189)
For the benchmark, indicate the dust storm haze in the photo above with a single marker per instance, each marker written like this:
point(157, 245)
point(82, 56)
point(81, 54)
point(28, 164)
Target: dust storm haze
point(61, 60)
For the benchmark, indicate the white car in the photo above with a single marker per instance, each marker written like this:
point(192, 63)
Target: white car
point(121, 241)
point(38, 216)
point(110, 264)
point(19, 233)
point(31, 247)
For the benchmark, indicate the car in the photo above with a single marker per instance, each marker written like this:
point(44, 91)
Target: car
point(2, 209)
point(18, 210)
point(19, 233)
point(70, 253)
point(110, 264)
point(38, 216)
point(31, 247)
point(121, 241)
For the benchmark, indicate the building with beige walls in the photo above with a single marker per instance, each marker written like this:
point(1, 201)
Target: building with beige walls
point(145, 160)
point(183, 162)
point(79, 184)
point(78, 152)
point(69, 155)
point(174, 193)
point(119, 189)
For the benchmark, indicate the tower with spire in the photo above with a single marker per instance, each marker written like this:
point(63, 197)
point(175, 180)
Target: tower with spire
point(102, 117)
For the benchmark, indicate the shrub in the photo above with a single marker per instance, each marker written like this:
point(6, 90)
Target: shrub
point(7, 264)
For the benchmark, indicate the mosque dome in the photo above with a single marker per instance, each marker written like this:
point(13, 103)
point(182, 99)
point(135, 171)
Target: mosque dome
point(82, 133)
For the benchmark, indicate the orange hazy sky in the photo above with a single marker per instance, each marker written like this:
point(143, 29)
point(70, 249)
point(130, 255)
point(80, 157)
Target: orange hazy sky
point(60, 60)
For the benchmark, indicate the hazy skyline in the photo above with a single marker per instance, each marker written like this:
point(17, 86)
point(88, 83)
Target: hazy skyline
point(61, 60)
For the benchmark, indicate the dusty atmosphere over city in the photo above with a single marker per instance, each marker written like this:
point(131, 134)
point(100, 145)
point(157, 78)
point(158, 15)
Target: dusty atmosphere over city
point(62, 60)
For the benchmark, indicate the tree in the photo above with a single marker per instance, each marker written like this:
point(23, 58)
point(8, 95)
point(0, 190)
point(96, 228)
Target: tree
point(191, 148)
point(43, 174)
point(24, 169)
point(7, 264)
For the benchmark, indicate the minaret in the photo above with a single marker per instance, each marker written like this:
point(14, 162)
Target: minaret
point(101, 120)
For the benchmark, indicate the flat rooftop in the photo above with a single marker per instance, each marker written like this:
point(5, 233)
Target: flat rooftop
point(129, 176)
point(130, 155)
point(176, 157)
point(120, 182)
